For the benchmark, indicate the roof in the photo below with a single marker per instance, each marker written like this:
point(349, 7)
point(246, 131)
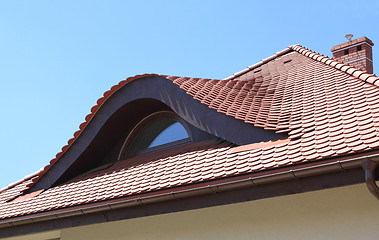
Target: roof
point(328, 110)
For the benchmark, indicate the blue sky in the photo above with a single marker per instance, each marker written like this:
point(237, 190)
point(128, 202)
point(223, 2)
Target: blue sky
point(58, 57)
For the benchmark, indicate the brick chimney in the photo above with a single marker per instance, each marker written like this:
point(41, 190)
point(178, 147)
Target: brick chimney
point(356, 53)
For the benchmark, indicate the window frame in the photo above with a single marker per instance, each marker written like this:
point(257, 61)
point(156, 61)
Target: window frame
point(146, 122)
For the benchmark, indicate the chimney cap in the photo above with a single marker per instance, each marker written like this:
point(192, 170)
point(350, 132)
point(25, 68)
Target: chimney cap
point(352, 42)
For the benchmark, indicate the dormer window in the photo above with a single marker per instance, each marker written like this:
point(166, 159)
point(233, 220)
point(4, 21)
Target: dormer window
point(156, 132)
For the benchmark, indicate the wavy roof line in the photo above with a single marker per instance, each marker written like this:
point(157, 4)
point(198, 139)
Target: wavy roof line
point(364, 76)
point(88, 118)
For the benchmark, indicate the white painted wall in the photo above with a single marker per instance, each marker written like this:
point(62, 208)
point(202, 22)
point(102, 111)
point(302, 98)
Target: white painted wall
point(38, 236)
point(339, 213)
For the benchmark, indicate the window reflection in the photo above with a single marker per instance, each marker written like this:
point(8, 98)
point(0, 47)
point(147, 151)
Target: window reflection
point(157, 131)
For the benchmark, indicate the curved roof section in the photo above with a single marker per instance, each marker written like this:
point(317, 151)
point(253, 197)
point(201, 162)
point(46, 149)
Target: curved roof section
point(168, 92)
point(327, 108)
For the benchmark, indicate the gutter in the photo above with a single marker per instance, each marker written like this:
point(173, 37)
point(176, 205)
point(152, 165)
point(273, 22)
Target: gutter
point(367, 162)
point(369, 166)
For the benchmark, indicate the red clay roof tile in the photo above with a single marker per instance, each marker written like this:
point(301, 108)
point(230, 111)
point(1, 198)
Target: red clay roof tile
point(327, 108)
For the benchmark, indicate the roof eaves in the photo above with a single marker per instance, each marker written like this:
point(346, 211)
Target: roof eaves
point(352, 71)
point(263, 61)
point(220, 185)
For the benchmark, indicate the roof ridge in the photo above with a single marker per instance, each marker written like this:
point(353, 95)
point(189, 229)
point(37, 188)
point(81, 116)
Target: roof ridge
point(258, 64)
point(352, 71)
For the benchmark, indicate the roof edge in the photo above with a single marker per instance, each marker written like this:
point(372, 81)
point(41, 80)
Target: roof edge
point(352, 71)
point(27, 177)
point(88, 119)
point(346, 163)
point(263, 61)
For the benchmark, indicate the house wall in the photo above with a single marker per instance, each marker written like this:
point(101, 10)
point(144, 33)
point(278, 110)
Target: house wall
point(340, 213)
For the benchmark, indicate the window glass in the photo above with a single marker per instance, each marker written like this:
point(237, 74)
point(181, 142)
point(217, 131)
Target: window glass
point(173, 133)
point(156, 132)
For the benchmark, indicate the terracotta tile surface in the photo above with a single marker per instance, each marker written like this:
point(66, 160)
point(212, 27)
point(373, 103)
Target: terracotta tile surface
point(11, 193)
point(327, 109)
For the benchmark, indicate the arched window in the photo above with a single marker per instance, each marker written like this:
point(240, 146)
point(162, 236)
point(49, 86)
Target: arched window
point(156, 132)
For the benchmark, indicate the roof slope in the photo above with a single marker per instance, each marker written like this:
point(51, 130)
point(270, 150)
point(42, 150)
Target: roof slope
point(328, 110)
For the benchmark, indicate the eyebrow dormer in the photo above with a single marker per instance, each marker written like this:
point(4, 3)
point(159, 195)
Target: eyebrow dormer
point(111, 132)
